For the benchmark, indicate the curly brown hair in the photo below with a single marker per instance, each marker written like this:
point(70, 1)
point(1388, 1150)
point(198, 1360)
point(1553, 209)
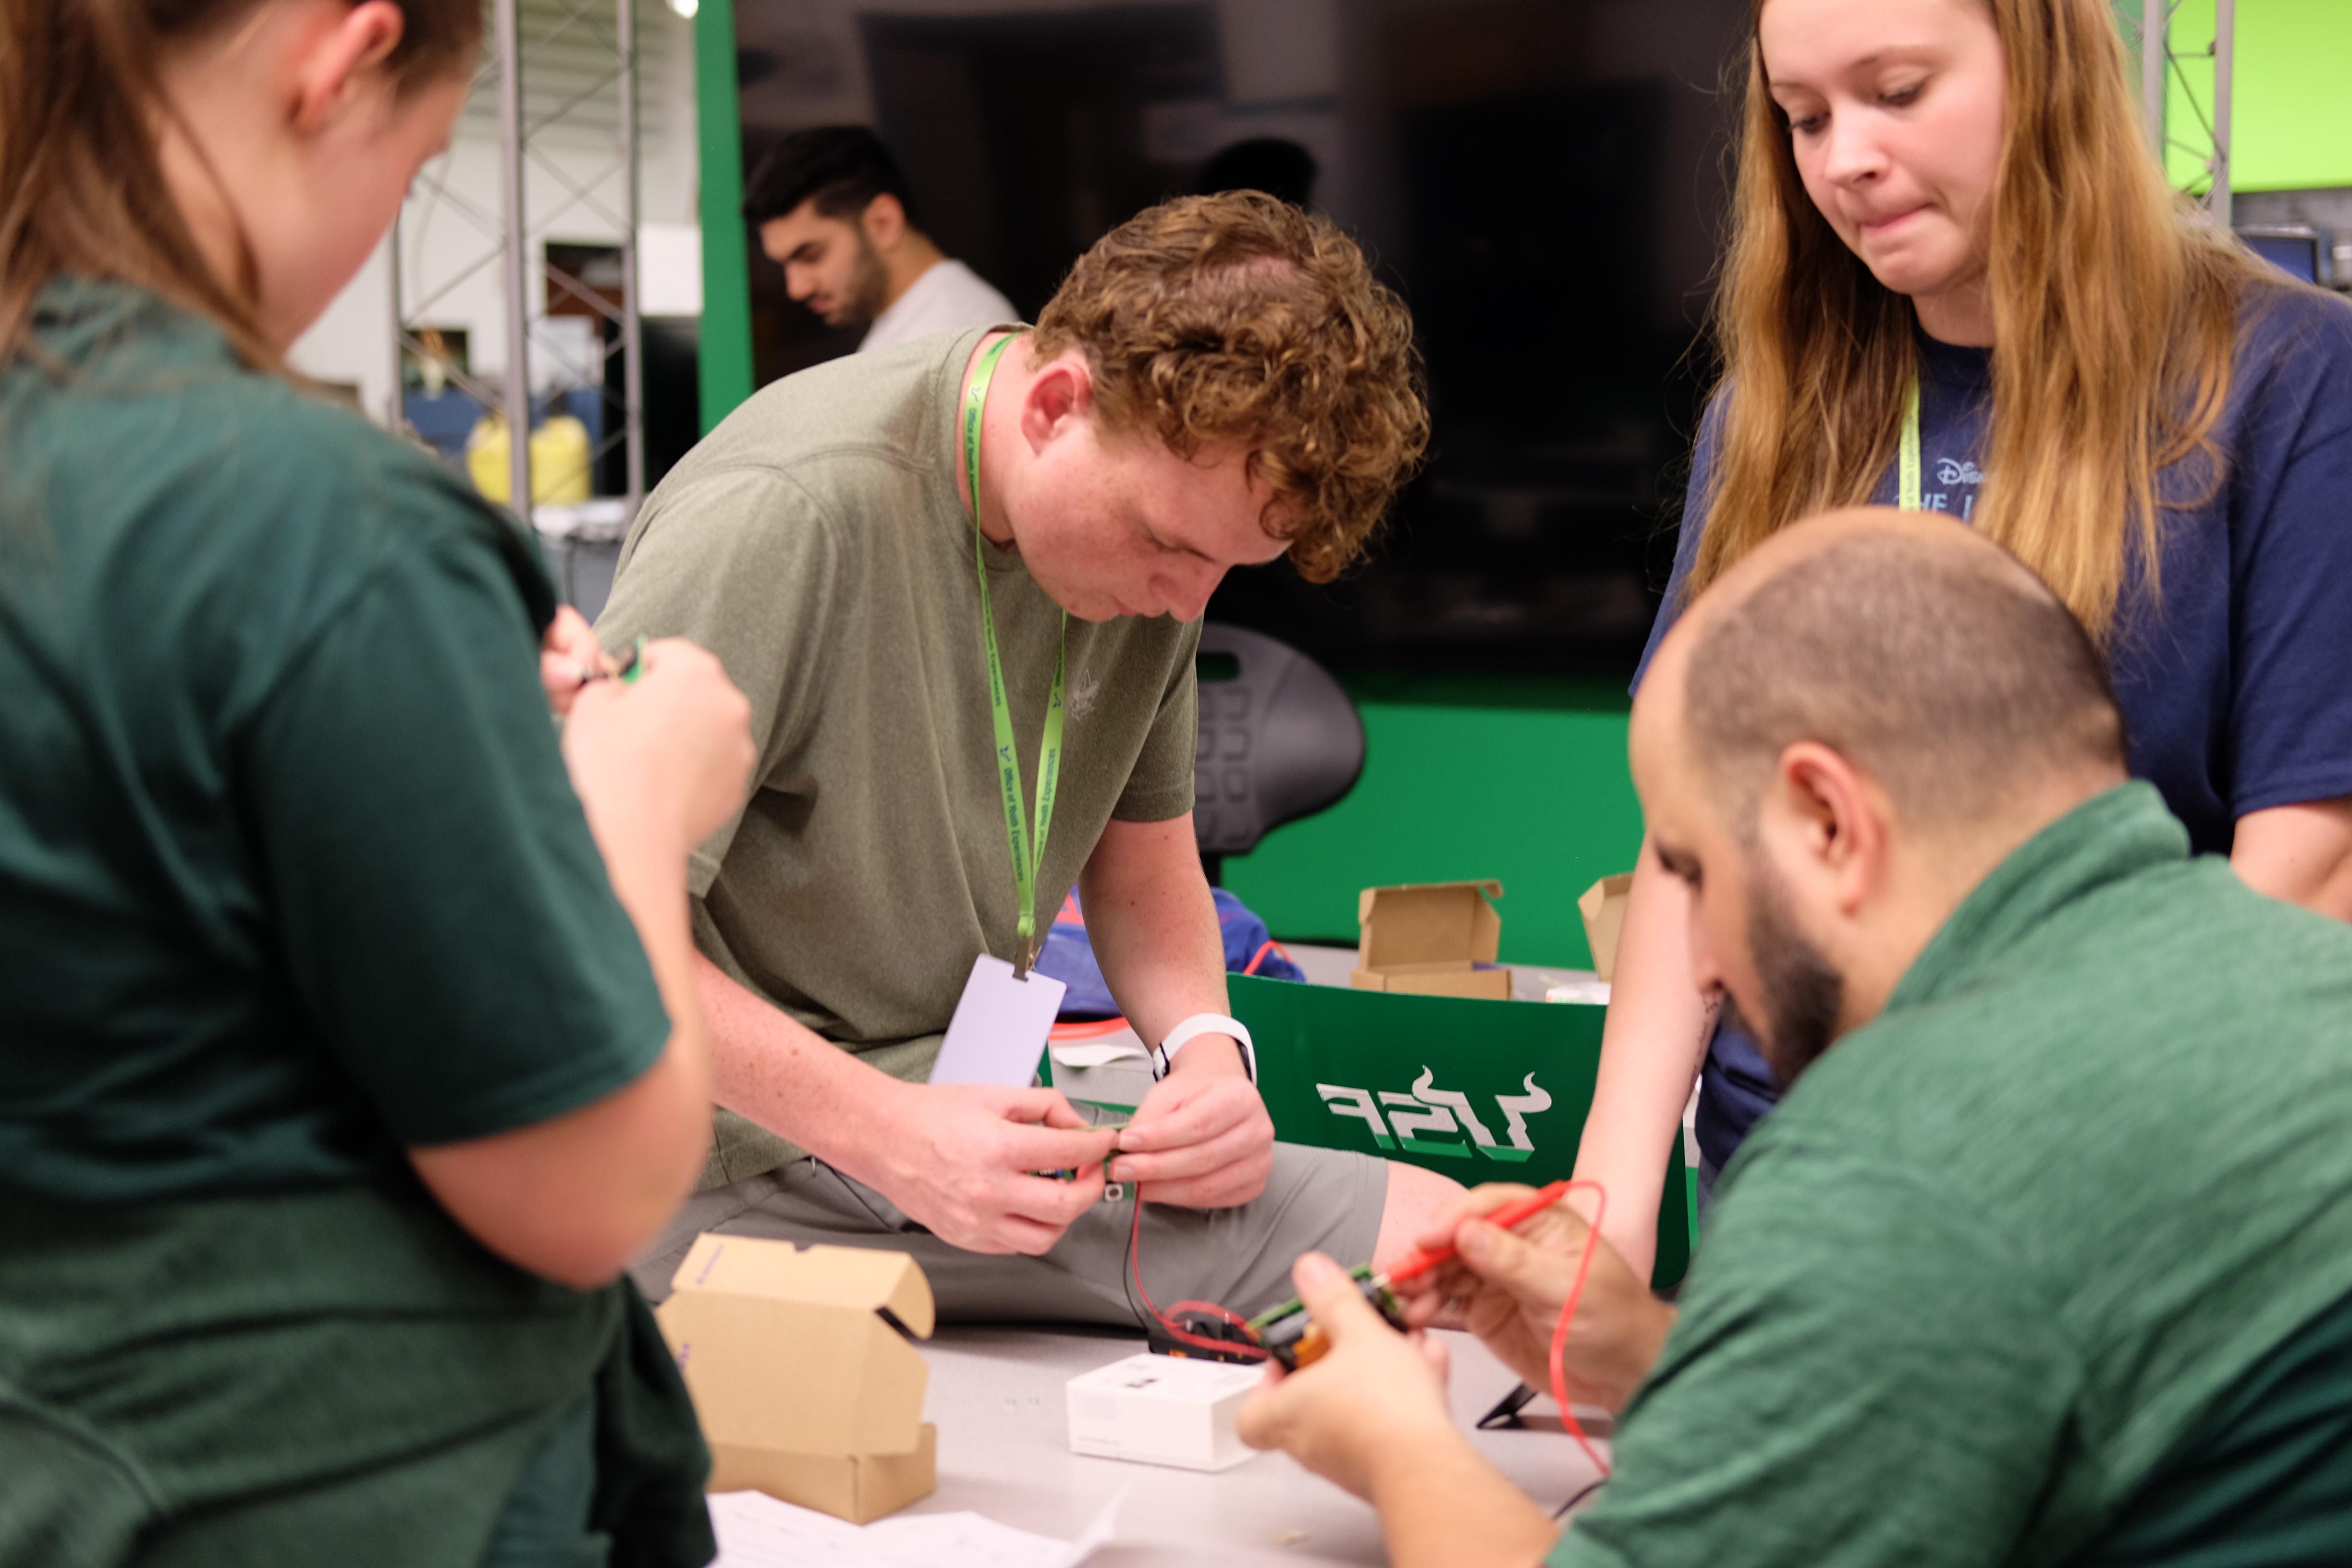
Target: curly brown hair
point(1238, 318)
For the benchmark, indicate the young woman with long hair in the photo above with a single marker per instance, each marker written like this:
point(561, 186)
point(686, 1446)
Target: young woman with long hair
point(348, 1042)
point(1958, 282)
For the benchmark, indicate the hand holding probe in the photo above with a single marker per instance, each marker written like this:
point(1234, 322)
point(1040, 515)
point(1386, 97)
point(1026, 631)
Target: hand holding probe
point(1416, 1263)
point(1290, 1336)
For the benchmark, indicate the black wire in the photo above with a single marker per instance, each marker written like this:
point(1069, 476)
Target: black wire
point(1562, 1512)
point(1127, 1275)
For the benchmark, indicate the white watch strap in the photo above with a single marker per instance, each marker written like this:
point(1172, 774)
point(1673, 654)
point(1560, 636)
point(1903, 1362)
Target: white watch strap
point(1163, 1055)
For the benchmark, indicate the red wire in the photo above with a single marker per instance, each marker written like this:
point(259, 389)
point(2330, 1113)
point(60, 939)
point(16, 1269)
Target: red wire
point(1568, 1316)
point(1269, 946)
point(1086, 1028)
point(1558, 1334)
point(1198, 1341)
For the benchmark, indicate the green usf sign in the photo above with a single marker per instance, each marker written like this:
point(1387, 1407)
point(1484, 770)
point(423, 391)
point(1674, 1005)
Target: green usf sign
point(1483, 1092)
point(1428, 1119)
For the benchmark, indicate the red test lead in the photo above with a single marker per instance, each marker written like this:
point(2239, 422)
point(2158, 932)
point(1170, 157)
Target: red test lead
point(1416, 1264)
point(1509, 1215)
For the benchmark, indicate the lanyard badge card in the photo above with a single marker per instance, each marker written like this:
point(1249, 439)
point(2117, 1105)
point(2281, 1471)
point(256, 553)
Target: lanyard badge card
point(998, 1033)
point(1000, 1026)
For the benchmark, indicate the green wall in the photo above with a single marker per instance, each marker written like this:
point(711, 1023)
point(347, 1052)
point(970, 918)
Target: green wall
point(724, 364)
point(1521, 779)
point(2292, 108)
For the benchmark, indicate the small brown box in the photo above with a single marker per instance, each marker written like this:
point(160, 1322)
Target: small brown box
point(859, 1488)
point(1429, 939)
point(803, 1389)
point(1602, 905)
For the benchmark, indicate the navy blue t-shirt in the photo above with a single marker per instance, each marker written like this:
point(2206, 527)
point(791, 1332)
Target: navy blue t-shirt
point(2236, 678)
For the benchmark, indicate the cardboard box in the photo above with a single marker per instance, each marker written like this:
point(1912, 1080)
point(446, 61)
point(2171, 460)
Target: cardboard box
point(801, 1372)
point(1162, 1410)
point(1602, 905)
point(1429, 939)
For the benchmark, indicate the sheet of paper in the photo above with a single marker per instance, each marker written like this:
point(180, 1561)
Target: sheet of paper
point(755, 1531)
point(998, 1033)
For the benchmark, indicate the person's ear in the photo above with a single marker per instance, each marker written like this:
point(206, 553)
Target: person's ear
point(884, 222)
point(1057, 400)
point(1830, 819)
point(337, 57)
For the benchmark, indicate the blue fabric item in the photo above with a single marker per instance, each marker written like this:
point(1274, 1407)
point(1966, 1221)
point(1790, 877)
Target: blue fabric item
point(2233, 678)
point(1069, 955)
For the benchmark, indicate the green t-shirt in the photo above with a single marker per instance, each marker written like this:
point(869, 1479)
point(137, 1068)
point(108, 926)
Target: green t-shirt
point(815, 542)
point(2002, 1253)
point(291, 875)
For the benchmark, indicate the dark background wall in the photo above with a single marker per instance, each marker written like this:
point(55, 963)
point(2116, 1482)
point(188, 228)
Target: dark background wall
point(1541, 179)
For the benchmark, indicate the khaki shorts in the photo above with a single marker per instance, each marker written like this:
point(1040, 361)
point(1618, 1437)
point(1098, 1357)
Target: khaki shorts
point(1323, 1200)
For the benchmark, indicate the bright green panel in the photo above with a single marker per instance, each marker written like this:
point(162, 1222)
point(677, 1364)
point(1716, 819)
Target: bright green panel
point(1511, 1082)
point(2291, 109)
point(724, 365)
point(1518, 781)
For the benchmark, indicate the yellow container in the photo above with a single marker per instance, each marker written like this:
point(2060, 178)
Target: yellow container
point(559, 460)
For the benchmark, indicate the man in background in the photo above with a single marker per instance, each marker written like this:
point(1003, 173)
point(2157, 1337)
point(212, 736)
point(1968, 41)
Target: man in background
point(833, 210)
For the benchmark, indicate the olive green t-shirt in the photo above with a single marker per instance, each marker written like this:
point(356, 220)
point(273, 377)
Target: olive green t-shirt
point(292, 874)
point(2016, 1247)
point(816, 542)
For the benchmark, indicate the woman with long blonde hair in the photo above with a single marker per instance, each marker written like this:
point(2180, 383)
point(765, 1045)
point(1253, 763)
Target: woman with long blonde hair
point(1957, 282)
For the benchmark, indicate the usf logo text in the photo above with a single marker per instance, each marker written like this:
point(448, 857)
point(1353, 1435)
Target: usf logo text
point(1430, 1120)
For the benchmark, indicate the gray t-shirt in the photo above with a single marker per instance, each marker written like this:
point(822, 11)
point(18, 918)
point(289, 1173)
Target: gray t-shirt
point(815, 542)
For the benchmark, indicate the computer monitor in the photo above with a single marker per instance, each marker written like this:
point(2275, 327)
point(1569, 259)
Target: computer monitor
point(2293, 250)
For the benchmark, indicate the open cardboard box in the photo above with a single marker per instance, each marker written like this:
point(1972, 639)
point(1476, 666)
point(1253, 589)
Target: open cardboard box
point(1602, 905)
point(1430, 939)
point(801, 1373)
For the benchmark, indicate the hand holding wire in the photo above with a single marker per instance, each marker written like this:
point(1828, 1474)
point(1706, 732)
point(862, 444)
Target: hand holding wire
point(569, 657)
point(1201, 1139)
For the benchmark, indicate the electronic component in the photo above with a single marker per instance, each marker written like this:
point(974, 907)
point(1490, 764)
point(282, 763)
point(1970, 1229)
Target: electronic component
point(1233, 1341)
point(1290, 1336)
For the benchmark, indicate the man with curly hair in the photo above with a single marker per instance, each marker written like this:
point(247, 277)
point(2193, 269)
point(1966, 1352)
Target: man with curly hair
point(1220, 382)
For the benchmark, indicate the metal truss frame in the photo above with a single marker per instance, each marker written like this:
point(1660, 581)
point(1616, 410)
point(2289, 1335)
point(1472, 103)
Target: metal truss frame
point(2161, 65)
point(511, 237)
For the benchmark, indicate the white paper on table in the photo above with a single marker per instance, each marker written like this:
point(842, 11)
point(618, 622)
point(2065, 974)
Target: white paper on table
point(755, 1531)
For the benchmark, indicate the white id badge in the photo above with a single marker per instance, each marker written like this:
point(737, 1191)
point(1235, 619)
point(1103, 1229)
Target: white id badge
point(998, 1033)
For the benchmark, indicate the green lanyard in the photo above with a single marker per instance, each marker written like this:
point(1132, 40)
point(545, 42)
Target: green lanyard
point(1907, 494)
point(1026, 852)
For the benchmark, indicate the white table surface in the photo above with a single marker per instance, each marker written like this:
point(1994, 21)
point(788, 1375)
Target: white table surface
point(996, 1395)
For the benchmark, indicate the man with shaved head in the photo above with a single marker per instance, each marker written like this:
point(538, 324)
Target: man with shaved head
point(2047, 1256)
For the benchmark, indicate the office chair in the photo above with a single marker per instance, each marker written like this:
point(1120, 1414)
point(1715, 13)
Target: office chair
point(1280, 741)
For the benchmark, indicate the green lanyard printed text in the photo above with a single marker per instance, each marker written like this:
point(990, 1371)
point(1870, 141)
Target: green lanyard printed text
point(1027, 853)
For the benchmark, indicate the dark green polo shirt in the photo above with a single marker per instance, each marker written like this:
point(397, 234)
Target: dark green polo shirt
point(291, 878)
point(2072, 1217)
point(292, 874)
